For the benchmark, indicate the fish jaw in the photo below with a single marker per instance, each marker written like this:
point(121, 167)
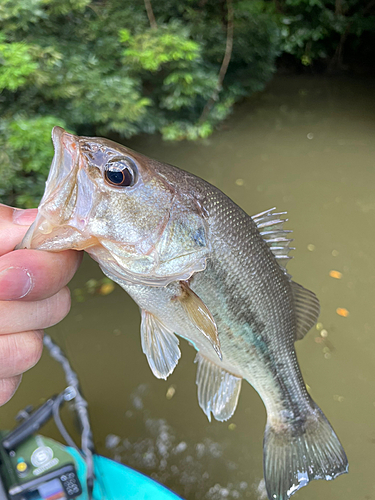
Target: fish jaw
point(42, 235)
point(63, 212)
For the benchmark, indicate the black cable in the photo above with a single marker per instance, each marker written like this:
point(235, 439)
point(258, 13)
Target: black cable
point(59, 424)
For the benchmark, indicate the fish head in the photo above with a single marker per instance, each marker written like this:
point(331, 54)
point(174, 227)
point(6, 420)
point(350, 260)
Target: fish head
point(123, 208)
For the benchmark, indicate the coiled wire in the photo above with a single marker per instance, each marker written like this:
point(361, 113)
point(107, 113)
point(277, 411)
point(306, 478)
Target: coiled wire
point(80, 405)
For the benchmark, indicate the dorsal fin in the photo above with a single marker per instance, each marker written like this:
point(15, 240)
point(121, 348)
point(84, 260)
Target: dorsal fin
point(218, 390)
point(160, 345)
point(307, 309)
point(270, 226)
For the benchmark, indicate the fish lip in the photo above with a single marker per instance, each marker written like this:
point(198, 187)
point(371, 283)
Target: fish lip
point(53, 237)
point(62, 173)
point(65, 160)
point(57, 133)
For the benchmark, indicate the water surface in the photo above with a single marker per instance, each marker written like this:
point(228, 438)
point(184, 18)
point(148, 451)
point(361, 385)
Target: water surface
point(306, 146)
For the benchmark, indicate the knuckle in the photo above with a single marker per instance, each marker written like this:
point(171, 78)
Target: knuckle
point(8, 387)
point(63, 303)
point(56, 307)
point(31, 350)
point(20, 352)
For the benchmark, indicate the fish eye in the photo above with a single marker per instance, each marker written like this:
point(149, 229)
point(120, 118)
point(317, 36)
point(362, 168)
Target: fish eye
point(120, 172)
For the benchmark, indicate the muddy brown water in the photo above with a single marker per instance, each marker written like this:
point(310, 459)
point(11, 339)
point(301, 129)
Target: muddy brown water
point(307, 146)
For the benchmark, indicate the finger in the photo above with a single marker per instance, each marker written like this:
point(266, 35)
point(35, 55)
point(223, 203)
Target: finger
point(13, 226)
point(8, 387)
point(18, 316)
point(11, 215)
point(19, 352)
point(35, 275)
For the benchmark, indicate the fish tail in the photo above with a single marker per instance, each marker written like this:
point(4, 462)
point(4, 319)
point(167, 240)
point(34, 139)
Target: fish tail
point(294, 454)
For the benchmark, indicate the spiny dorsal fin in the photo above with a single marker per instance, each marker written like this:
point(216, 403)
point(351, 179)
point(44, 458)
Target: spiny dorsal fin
point(307, 309)
point(198, 313)
point(160, 345)
point(270, 226)
point(218, 390)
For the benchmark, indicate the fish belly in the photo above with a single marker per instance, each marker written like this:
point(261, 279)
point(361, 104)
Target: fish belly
point(245, 352)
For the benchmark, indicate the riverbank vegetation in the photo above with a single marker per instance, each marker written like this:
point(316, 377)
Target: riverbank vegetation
point(175, 67)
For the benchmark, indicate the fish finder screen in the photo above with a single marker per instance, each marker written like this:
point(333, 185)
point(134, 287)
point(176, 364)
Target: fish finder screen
point(53, 490)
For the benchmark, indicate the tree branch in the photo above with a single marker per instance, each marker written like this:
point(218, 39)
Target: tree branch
point(224, 64)
point(150, 14)
point(337, 59)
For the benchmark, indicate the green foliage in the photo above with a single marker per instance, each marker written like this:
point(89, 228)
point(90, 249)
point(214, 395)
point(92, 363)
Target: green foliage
point(313, 30)
point(25, 157)
point(178, 131)
point(17, 64)
point(102, 68)
point(155, 48)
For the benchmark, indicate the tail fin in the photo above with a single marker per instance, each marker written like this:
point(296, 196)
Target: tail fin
point(294, 455)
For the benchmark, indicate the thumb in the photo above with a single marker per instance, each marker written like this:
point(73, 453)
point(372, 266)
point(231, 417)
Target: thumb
point(13, 226)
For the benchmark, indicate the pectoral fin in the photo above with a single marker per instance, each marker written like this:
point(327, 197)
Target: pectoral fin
point(199, 315)
point(160, 345)
point(218, 390)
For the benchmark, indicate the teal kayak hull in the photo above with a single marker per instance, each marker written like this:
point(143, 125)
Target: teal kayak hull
point(115, 481)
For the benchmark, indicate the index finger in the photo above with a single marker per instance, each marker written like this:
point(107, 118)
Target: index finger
point(13, 226)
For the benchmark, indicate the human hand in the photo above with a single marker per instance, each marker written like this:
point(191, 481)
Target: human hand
point(33, 296)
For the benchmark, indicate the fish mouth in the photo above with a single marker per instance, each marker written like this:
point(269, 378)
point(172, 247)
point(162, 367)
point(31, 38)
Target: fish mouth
point(42, 235)
point(57, 226)
point(65, 160)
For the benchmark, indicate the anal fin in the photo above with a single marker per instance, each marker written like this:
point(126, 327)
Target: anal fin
point(218, 389)
point(160, 345)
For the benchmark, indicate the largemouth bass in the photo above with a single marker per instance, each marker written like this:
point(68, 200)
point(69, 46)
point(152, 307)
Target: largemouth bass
point(198, 267)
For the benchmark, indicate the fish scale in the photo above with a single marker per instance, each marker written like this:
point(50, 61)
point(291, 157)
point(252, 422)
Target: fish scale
point(262, 288)
point(202, 269)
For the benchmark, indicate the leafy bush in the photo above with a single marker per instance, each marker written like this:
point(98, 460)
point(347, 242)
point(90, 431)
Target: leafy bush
point(116, 67)
point(313, 30)
point(25, 156)
point(124, 67)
